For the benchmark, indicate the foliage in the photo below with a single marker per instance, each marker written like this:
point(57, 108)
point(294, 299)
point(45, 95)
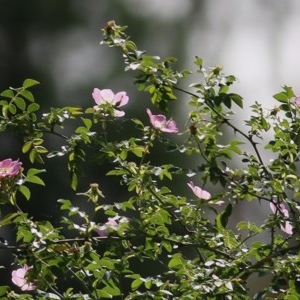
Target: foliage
point(156, 243)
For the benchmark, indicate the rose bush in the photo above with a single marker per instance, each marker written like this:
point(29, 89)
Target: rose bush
point(163, 237)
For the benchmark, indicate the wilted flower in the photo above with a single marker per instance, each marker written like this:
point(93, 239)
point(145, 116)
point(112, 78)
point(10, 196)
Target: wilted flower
point(106, 96)
point(160, 122)
point(10, 168)
point(18, 277)
point(104, 229)
point(287, 227)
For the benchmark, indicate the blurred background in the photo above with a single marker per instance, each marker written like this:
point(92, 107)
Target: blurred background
point(57, 43)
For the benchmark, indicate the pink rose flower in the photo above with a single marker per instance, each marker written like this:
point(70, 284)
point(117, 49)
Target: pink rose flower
point(107, 96)
point(202, 194)
point(280, 208)
point(18, 277)
point(104, 229)
point(161, 123)
point(9, 168)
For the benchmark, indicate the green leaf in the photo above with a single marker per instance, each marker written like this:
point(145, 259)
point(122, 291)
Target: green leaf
point(3, 291)
point(66, 204)
point(198, 61)
point(136, 283)
point(107, 263)
point(137, 122)
point(87, 122)
point(167, 246)
point(29, 83)
point(12, 108)
point(74, 181)
point(112, 289)
point(26, 147)
point(281, 97)
point(34, 171)
point(32, 107)
point(8, 218)
point(25, 191)
point(237, 99)
point(8, 94)
point(176, 262)
point(35, 156)
point(223, 217)
point(36, 180)
point(138, 151)
point(41, 149)
point(227, 100)
point(31, 176)
point(20, 103)
point(27, 95)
